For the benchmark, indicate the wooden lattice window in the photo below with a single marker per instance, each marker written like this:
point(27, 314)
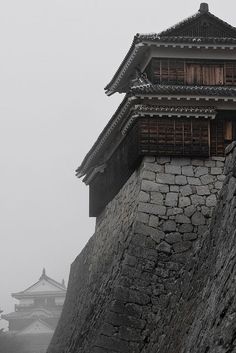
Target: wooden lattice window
point(204, 74)
point(174, 136)
point(228, 130)
point(167, 71)
point(230, 73)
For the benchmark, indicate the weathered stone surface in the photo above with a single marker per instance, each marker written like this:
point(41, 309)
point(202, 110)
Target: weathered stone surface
point(148, 175)
point(153, 167)
point(211, 201)
point(189, 211)
point(180, 161)
point(174, 211)
point(174, 188)
point(153, 221)
point(203, 190)
point(216, 171)
point(157, 197)
point(193, 181)
point(144, 196)
point(186, 190)
point(181, 218)
point(163, 178)
point(169, 226)
point(164, 247)
point(184, 201)
point(197, 200)
point(187, 170)
point(198, 219)
point(172, 169)
point(182, 246)
point(207, 179)
point(199, 171)
point(171, 199)
point(185, 228)
point(172, 238)
point(140, 270)
point(180, 180)
point(152, 209)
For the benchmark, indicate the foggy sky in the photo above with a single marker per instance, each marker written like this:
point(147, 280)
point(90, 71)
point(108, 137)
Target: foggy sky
point(56, 58)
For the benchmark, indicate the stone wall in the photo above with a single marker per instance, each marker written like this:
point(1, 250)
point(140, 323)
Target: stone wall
point(177, 198)
point(133, 287)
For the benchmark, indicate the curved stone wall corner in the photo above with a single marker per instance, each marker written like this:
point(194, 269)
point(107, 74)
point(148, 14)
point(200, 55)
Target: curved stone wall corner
point(136, 286)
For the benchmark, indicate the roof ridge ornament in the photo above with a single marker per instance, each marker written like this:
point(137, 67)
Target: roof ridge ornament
point(204, 7)
point(43, 275)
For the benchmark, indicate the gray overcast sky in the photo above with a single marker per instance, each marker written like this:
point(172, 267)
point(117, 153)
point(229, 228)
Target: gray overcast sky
point(56, 57)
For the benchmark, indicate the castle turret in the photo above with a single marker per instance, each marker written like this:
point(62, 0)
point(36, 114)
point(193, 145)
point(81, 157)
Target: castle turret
point(37, 313)
point(154, 175)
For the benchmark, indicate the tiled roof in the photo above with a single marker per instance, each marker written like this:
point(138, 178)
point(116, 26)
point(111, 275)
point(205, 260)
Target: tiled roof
point(157, 38)
point(225, 37)
point(105, 134)
point(184, 90)
point(173, 109)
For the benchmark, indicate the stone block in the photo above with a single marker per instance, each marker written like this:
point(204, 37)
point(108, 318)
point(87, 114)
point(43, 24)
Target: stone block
point(198, 219)
point(194, 181)
point(207, 179)
point(180, 161)
point(149, 159)
point(221, 177)
point(153, 221)
point(163, 178)
point(171, 199)
point(164, 247)
point(220, 164)
point(203, 190)
point(180, 180)
point(211, 201)
point(181, 218)
point(197, 200)
point(148, 175)
point(163, 160)
point(152, 208)
point(144, 196)
point(189, 211)
point(218, 185)
point(174, 211)
point(143, 217)
point(148, 185)
point(153, 167)
point(186, 228)
point(182, 246)
point(216, 171)
point(189, 236)
point(199, 171)
point(169, 226)
point(186, 190)
point(206, 211)
point(197, 162)
point(157, 197)
point(210, 163)
point(172, 238)
point(187, 170)
point(174, 188)
point(172, 169)
point(221, 159)
point(184, 201)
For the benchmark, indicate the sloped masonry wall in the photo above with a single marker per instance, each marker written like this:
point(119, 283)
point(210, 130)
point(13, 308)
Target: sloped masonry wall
point(126, 284)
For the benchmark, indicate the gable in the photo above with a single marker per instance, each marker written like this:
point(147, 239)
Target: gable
point(202, 24)
point(37, 327)
point(43, 285)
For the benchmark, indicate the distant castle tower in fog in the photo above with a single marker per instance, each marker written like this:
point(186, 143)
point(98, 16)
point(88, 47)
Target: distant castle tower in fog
point(37, 313)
